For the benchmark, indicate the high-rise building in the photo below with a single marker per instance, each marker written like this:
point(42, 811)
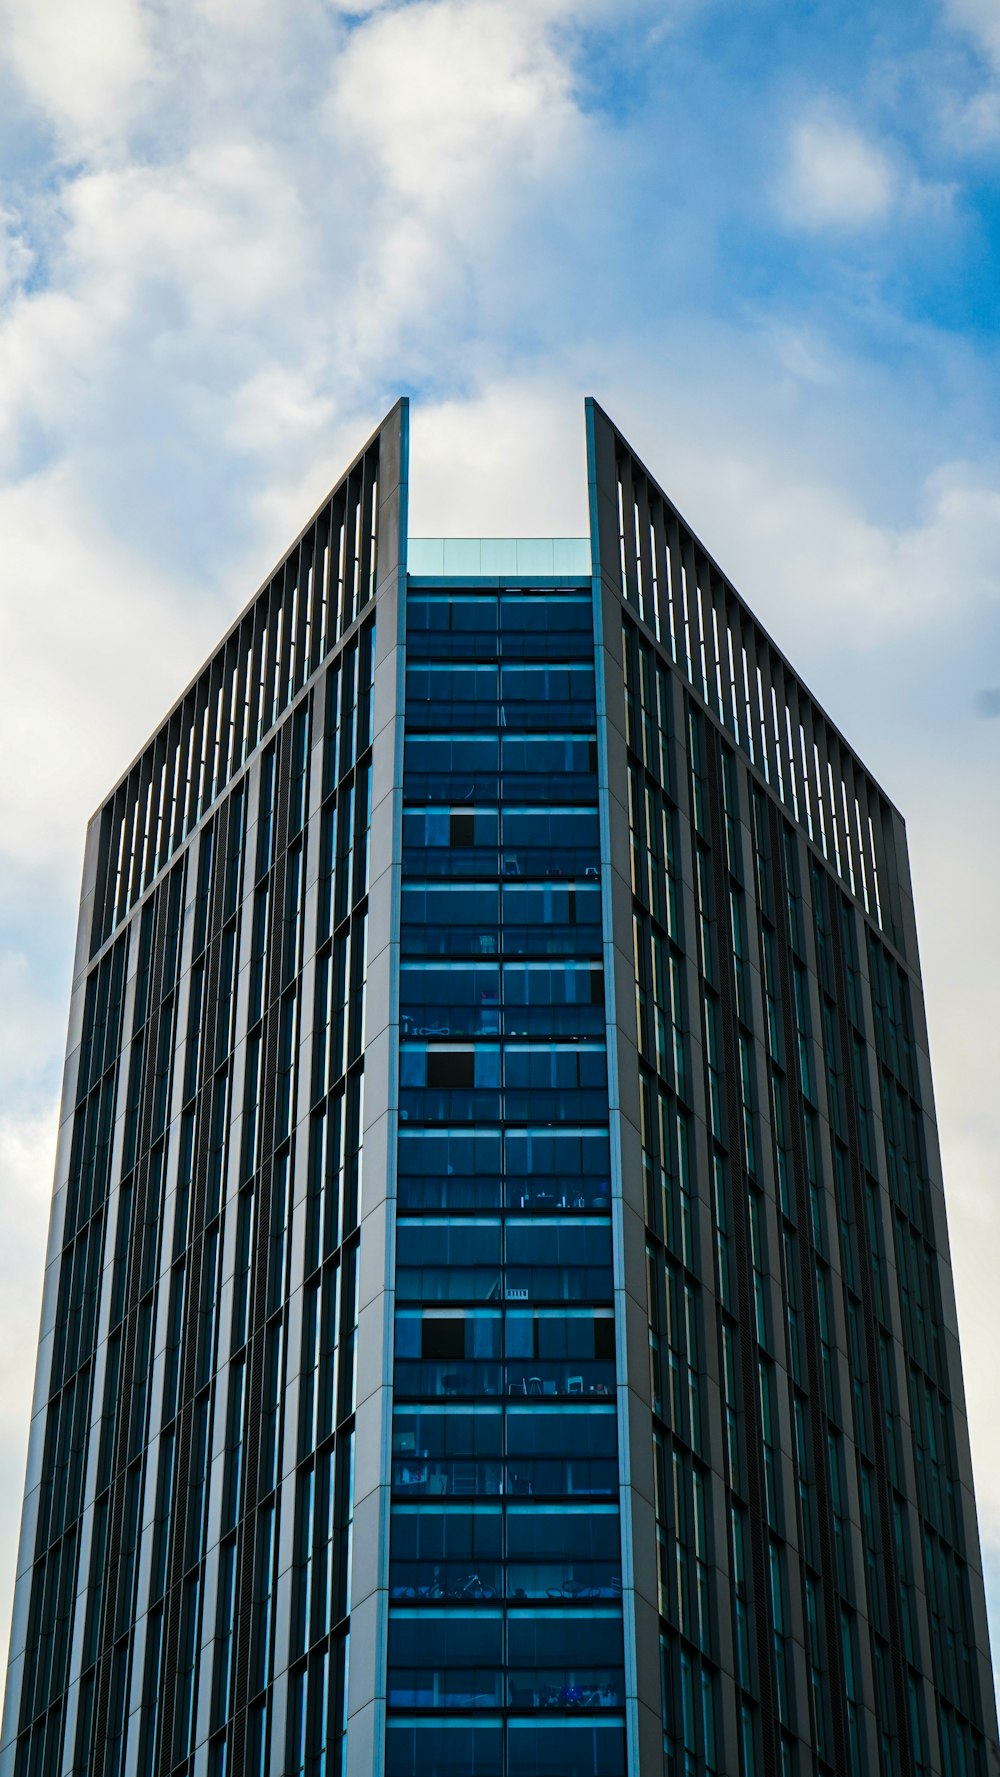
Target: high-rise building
point(498, 1318)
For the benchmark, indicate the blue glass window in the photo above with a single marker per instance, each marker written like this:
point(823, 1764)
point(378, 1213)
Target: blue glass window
point(445, 1660)
point(505, 1466)
point(565, 1749)
point(563, 1551)
point(447, 1551)
point(447, 1450)
point(443, 1748)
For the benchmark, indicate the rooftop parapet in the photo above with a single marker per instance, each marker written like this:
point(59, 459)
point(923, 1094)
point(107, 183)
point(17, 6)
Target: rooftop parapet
point(519, 558)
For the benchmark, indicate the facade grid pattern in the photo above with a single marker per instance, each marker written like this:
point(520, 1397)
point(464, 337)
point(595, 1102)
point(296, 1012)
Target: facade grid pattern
point(184, 1583)
point(702, 624)
point(498, 1319)
point(298, 618)
point(818, 1568)
point(505, 1624)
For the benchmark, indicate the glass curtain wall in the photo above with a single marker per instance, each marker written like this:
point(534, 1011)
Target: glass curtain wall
point(505, 1636)
point(179, 1241)
point(809, 1414)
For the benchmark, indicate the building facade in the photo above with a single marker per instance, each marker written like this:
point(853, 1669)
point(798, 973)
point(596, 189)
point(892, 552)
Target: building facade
point(498, 1319)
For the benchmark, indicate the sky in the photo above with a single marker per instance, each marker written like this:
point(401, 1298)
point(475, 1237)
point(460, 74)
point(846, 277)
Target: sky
point(764, 233)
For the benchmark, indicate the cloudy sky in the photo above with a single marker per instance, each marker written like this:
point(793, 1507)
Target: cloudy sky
point(765, 235)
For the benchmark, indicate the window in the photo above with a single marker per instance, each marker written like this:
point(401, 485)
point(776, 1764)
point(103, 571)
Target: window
point(442, 1338)
point(505, 1373)
point(451, 1067)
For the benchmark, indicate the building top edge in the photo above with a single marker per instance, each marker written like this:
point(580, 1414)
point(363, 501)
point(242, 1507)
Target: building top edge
point(305, 610)
point(789, 674)
point(232, 628)
point(481, 557)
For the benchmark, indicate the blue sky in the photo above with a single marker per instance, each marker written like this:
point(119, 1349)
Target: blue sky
point(764, 235)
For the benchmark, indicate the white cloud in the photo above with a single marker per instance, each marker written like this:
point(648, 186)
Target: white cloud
point(507, 459)
point(833, 571)
point(33, 1024)
point(81, 63)
point(836, 177)
point(458, 126)
point(970, 119)
point(955, 850)
point(27, 1157)
point(370, 210)
point(79, 692)
point(448, 98)
point(981, 19)
point(974, 122)
point(16, 256)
